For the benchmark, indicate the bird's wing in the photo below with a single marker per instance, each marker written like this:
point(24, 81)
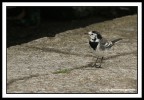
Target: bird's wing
point(104, 43)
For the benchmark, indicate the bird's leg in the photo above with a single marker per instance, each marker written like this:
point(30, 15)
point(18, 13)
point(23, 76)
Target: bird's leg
point(97, 62)
point(94, 64)
point(102, 59)
point(100, 62)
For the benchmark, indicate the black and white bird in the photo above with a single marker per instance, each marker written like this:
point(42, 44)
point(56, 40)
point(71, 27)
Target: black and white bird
point(99, 44)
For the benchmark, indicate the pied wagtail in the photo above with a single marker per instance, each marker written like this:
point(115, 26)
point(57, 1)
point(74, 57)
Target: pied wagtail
point(99, 45)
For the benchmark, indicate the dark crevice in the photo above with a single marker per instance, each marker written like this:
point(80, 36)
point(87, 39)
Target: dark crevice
point(24, 25)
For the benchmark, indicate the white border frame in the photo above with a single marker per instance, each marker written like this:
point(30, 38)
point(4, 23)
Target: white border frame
point(138, 4)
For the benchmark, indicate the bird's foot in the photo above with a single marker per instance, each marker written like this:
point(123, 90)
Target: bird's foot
point(98, 65)
point(94, 64)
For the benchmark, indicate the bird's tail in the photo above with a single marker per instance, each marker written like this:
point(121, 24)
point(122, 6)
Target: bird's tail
point(116, 40)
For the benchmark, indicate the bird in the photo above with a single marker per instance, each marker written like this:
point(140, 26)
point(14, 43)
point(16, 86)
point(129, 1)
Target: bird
point(99, 44)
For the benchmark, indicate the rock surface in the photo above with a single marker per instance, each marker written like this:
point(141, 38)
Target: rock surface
point(62, 64)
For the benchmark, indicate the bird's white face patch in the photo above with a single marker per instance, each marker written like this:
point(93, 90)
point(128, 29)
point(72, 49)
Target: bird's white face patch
point(92, 35)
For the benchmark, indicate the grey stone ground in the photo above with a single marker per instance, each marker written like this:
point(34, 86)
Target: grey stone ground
point(62, 64)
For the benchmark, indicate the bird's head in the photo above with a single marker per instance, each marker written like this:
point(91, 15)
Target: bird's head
point(94, 35)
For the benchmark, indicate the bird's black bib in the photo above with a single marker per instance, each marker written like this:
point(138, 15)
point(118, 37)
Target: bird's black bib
point(93, 44)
